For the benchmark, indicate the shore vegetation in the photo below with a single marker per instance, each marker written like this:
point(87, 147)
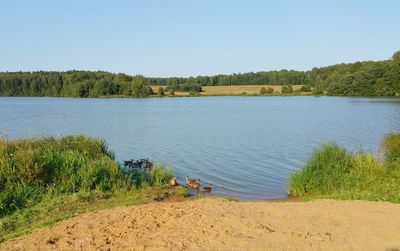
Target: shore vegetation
point(45, 180)
point(333, 172)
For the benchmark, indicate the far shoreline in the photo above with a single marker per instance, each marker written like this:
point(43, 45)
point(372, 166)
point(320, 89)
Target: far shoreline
point(199, 96)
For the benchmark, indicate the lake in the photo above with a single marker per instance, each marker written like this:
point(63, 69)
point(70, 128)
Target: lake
point(245, 146)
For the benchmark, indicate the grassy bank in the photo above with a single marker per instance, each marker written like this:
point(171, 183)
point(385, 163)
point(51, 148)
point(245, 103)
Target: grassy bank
point(332, 172)
point(45, 180)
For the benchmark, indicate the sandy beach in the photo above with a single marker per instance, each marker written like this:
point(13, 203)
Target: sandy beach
point(220, 224)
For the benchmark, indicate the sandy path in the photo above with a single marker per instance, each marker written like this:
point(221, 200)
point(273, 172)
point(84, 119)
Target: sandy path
point(218, 224)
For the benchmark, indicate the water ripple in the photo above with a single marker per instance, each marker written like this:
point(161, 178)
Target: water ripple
point(245, 146)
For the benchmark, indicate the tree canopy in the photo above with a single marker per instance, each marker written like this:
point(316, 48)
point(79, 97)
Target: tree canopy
point(369, 78)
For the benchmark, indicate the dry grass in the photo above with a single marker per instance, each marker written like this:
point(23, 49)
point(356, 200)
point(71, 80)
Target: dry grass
point(231, 89)
point(241, 89)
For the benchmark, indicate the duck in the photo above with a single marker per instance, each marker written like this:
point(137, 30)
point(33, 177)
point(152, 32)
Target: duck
point(173, 182)
point(147, 165)
point(192, 183)
point(207, 189)
point(132, 164)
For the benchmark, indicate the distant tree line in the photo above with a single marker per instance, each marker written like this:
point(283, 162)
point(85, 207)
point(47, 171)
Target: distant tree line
point(283, 77)
point(370, 78)
point(72, 84)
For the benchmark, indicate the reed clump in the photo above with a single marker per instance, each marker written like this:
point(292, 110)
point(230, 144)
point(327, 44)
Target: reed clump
point(45, 180)
point(333, 172)
point(31, 169)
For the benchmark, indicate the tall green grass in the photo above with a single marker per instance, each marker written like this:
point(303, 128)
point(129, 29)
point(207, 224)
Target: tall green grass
point(159, 176)
point(33, 168)
point(332, 172)
point(44, 180)
point(391, 148)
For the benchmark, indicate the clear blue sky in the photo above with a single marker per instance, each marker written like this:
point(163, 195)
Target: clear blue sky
point(188, 37)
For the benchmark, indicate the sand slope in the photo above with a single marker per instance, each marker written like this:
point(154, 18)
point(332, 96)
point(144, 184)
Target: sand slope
point(218, 224)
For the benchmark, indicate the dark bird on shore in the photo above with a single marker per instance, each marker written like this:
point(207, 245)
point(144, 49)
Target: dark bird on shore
point(132, 164)
point(147, 165)
point(192, 183)
point(207, 189)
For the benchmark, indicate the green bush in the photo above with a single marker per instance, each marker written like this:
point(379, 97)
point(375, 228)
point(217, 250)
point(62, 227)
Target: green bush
point(268, 90)
point(332, 172)
point(391, 148)
point(159, 176)
point(140, 87)
point(323, 172)
point(9, 224)
point(305, 88)
point(186, 87)
point(161, 91)
point(33, 168)
point(386, 91)
point(287, 89)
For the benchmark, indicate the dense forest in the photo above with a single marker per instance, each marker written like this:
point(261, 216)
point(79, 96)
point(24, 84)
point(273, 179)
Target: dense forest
point(72, 84)
point(370, 78)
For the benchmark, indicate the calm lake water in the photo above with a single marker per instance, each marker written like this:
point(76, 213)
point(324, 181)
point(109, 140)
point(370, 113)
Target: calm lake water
point(245, 146)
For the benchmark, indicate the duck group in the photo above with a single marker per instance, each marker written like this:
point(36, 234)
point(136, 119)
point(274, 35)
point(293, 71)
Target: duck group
point(192, 183)
point(144, 164)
